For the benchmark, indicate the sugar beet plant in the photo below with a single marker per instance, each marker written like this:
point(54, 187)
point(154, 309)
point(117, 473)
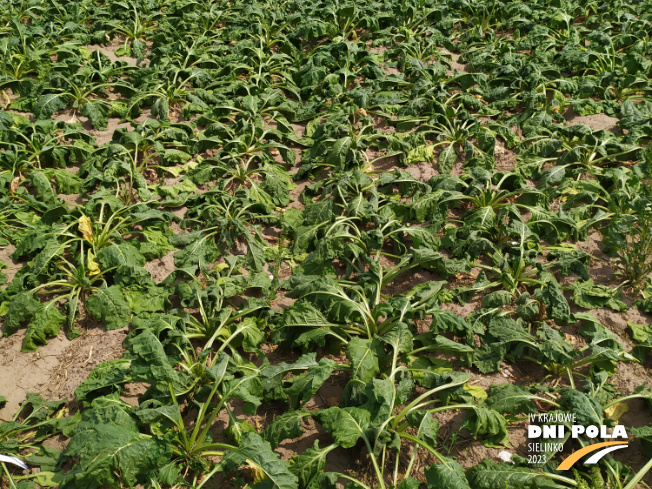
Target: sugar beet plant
point(351, 244)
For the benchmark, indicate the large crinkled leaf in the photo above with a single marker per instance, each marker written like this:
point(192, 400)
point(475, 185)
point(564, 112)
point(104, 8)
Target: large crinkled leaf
point(48, 104)
point(249, 333)
point(309, 465)
point(45, 323)
point(492, 475)
point(552, 176)
point(499, 298)
point(346, 425)
point(409, 483)
point(106, 374)
point(151, 364)
point(603, 342)
point(112, 451)
point(556, 304)
point(507, 330)
point(555, 348)
point(511, 399)
point(41, 264)
point(286, 426)
point(380, 394)
point(440, 263)
point(429, 207)
point(278, 182)
point(67, 183)
point(427, 426)
point(303, 387)
point(21, 308)
point(43, 188)
point(449, 322)
point(108, 305)
point(156, 244)
point(586, 409)
point(400, 338)
point(491, 424)
point(448, 474)
point(159, 420)
point(257, 452)
point(152, 299)
point(116, 255)
point(97, 113)
point(588, 295)
point(363, 355)
point(198, 251)
point(423, 152)
point(446, 160)
point(304, 314)
point(273, 375)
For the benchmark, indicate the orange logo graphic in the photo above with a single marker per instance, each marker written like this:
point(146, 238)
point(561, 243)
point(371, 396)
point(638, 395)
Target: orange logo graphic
point(604, 448)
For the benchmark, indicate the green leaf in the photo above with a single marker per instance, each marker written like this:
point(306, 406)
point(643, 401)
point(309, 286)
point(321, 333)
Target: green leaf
point(309, 465)
point(43, 188)
point(446, 160)
point(152, 299)
point(258, 452)
point(499, 298)
point(286, 426)
point(22, 307)
point(304, 314)
point(67, 183)
point(489, 423)
point(108, 305)
point(106, 374)
point(409, 483)
point(448, 474)
point(640, 332)
point(346, 425)
point(427, 426)
point(586, 409)
point(159, 420)
point(45, 323)
point(363, 355)
point(48, 104)
point(552, 176)
point(590, 296)
point(116, 255)
point(112, 451)
point(423, 152)
point(151, 364)
point(438, 262)
point(492, 475)
point(557, 305)
point(400, 338)
point(303, 387)
point(511, 399)
point(174, 156)
point(97, 113)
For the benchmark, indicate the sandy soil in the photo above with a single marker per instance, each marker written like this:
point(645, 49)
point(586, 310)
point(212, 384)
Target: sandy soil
point(595, 122)
point(56, 369)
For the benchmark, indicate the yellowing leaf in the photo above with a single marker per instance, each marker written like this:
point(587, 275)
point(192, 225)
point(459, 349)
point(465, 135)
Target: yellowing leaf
point(616, 411)
point(476, 391)
point(255, 473)
point(86, 228)
point(91, 265)
point(13, 186)
point(220, 266)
